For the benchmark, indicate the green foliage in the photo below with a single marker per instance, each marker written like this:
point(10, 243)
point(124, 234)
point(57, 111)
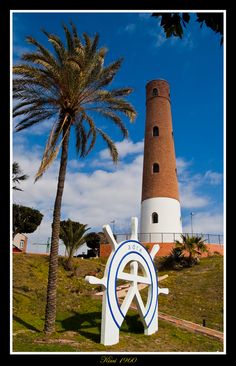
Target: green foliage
point(25, 219)
point(17, 176)
point(173, 23)
point(93, 240)
point(72, 234)
point(174, 261)
point(192, 245)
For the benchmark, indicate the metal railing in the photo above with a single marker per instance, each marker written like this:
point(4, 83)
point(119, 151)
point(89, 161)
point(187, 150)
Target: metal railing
point(171, 237)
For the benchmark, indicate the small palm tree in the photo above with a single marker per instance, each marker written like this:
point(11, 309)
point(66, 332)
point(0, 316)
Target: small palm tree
point(73, 236)
point(193, 245)
point(17, 176)
point(70, 87)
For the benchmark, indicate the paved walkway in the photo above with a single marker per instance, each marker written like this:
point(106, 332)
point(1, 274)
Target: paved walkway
point(192, 326)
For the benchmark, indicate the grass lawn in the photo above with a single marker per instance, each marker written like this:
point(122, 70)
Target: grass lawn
point(194, 293)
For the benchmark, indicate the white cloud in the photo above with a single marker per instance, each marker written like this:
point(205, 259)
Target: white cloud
point(160, 39)
point(182, 165)
point(37, 129)
point(213, 178)
point(125, 147)
point(190, 198)
point(20, 50)
point(98, 197)
point(130, 28)
point(206, 222)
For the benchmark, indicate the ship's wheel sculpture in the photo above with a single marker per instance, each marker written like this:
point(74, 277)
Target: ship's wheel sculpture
point(128, 255)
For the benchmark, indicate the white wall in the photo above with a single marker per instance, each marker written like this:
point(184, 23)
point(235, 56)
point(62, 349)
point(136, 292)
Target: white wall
point(169, 219)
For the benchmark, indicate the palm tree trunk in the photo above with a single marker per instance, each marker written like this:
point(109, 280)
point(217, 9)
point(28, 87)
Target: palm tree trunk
point(50, 313)
point(69, 263)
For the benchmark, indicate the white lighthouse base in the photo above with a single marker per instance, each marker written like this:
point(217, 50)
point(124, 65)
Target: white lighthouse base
point(169, 225)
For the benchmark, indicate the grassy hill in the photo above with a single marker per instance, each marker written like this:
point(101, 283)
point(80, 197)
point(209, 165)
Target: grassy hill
point(195, 293)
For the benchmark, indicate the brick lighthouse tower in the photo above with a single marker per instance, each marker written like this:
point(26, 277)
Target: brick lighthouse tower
point(160, 209)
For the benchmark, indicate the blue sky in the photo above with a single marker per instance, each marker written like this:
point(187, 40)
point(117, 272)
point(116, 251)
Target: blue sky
point(96, 192)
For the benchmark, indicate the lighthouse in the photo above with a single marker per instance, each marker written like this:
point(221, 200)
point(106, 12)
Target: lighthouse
point(160, 207)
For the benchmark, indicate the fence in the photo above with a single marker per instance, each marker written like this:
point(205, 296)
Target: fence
point(171, 237)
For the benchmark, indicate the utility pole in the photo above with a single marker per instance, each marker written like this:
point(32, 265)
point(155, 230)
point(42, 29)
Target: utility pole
point(191, 214)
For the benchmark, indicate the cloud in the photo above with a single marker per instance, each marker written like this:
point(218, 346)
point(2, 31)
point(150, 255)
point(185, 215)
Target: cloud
point(192, 185)
point(182, 165)
point(97, 197)
point(37, 129)
point(125, 147)
point(190, 198)
point(94, 198)
point(145, 16)
point(207, 223)
point(130, 28)
point(213, 178)
point(160, 39)
point(18, 51)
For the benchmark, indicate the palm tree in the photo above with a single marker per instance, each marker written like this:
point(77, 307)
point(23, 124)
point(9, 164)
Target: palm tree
point(68, 86)
point(193, 245)
point(17, 175)
point(73, 236)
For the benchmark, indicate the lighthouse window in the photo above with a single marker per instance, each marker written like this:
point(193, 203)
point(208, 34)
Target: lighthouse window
point(154, 92)
point(155, 131)
point(155, 168)
point(154, 218)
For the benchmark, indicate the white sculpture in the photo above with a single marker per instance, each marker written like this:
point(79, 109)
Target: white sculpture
point(130, 252)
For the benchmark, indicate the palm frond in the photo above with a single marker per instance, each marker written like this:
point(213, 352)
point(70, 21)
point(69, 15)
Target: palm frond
point(57, 45)
point(110, 144)
point(92, 132)
point(44, 52)
point(51, 150)
point(116, 119)
point(32, 120)
point(75, 36)
point(81, 138)
point(69, 39)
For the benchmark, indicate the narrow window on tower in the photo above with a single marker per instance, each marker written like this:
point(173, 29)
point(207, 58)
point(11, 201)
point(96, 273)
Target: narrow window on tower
point(155, 168)
point(154, 218)
point(154, 92)
point(155, 131)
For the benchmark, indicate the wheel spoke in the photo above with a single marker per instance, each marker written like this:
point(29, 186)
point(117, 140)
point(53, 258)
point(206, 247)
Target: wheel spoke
point(130, 277)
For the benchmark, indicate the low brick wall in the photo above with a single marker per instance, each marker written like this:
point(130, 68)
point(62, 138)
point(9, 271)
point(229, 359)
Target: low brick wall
point(165, 249)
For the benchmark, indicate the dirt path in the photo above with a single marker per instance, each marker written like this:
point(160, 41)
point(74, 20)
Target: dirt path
point(197, 328)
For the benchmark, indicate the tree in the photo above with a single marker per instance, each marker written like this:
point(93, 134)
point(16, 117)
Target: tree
point(72, 234)
point(173, 23)
point(17, 175)
point(68, 86)
point(25, 219)
point(193, 245)
point(93, 241)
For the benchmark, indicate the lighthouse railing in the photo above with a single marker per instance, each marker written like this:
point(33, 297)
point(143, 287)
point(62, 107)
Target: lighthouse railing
point(171, 237)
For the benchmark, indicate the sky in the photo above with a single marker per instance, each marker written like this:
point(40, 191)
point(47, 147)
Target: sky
point(97, 192)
